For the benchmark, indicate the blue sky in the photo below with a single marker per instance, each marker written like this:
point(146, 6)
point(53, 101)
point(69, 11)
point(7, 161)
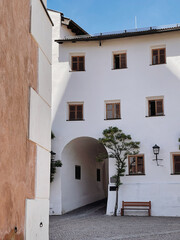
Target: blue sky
point(97, 16)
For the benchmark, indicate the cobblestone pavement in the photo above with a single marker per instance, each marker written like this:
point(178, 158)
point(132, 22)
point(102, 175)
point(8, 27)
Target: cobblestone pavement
point(91, 223)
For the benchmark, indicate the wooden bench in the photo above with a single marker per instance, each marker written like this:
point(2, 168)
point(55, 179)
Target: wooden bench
point(136, 206)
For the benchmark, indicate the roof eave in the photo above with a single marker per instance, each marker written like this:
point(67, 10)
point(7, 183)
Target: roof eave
point(115, 36)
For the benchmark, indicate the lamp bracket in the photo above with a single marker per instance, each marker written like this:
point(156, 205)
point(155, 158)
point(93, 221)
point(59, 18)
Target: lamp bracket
point(157, 161)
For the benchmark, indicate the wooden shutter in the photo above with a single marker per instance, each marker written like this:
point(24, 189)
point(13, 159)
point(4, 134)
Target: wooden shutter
point(176, 163)
point(132, 165)
point(112, 110)
point(117, 110)
point(162, 57)
point(159, 107)
point(79, 112)
point(136, 164)
point(72, 112)
point(140, 164)
point(78, 63)
point(123, 60)
point(74, 63)
point(81, 63)
point(155, 56)
point(109, 111)
point(158, 56)
point(76, 112)
point(120, 61)
point(156, 107)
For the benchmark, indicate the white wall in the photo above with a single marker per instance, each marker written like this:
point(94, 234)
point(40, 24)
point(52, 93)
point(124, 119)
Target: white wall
point(45, 2)
point(58, 85)
point(41, 28)
point(37, 219)
point(40, 121)
point(131, 86)
point(44, 74)
point(42, 173)
point(37, 210)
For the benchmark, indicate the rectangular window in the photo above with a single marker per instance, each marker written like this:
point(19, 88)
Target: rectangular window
point(156, 107)
point(98, 175)
point(78, 172)
point(176, 163)
point(120, 61)
point(158, 56)
point(112, 111)
point(78, 63)
point(75, 112)
point(136, 164)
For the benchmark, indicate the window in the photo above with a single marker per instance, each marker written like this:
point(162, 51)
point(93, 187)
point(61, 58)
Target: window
point(98, 175)
point(176, 163)
point(158, 56)
point(112, 111)
point(77, 63)
point(75, 112)
point(136, 164)
point(155, 107)
point(77, 172)
point(120, 61)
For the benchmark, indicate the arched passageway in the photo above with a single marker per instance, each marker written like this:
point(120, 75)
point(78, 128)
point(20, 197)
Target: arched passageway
point(84, 179)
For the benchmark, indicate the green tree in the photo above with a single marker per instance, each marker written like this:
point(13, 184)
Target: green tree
point(119, 146)
point(54, 163)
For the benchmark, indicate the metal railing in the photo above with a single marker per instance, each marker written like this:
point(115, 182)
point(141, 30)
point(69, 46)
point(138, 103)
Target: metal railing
point(124, 31)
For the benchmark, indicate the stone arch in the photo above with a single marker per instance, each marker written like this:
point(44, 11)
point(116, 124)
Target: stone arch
point(82, 152)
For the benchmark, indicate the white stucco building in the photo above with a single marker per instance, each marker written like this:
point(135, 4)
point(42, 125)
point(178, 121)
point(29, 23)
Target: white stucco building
point(37, 214)
point(130, 80)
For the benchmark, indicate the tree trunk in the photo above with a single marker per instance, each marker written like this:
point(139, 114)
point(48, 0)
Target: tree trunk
point(116, 203)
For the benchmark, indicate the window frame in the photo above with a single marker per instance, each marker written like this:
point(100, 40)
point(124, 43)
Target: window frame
point(154, 98)
point(158, 49)
point(120, 54)
point(173, 163)
point(112, 103)
point(78, 55)
point(136, 156)
point(75, 104)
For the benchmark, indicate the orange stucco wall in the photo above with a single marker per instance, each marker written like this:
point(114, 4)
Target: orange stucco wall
point(18, 71)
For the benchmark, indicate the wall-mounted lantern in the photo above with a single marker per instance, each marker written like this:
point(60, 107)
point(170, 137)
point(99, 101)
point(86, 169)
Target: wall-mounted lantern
point(156, 150)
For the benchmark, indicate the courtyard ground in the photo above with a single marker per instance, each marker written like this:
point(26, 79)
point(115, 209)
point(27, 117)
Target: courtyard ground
point(91, 223)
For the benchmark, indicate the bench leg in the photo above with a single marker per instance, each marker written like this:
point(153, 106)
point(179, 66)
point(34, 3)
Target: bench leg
point(122, 212)
point(149, 212)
